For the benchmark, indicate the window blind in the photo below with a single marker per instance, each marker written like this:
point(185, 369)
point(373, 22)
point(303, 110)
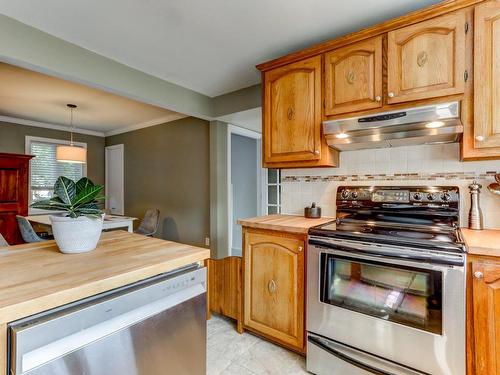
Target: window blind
point(45, 170)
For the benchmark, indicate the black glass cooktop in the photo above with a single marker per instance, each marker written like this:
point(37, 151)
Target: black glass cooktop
point(413, 235)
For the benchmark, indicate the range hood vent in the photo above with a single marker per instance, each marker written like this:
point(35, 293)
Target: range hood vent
point(434, 124)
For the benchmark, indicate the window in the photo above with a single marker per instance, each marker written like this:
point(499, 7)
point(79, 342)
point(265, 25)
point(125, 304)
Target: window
point(45, 169)
point(273, 204)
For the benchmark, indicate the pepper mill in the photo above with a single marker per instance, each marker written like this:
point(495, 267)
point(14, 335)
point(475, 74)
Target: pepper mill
point(475, 214)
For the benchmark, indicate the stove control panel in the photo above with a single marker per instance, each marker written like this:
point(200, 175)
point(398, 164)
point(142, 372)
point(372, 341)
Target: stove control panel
point(422, 195)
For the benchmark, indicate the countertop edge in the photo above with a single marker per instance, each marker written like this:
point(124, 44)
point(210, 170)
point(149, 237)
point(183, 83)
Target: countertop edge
point(485, 242)
point(284, 223)
point(62, 297)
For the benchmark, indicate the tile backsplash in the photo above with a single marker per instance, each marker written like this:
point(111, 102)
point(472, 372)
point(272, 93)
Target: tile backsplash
point(412, 165)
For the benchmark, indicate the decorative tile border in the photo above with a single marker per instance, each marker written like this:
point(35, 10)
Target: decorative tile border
point(395, 177)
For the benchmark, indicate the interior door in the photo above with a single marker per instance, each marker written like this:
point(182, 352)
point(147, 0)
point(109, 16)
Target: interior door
point(353, 77)
point(427, 60)
point(487, 75)
point(114, 184)
point(292, 112)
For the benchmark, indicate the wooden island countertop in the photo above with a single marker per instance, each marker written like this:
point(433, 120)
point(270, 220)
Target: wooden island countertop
point(36, 277)
point(284, 223)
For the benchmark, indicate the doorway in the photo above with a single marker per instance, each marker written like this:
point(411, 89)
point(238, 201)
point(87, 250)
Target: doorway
point(114, 180)
point(245, 193)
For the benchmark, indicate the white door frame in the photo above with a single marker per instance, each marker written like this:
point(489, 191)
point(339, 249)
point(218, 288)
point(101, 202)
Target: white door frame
point(114, 147)
point(261, 190)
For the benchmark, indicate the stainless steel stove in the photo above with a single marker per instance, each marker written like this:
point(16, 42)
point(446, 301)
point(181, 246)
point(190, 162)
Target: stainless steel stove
point(386, 284)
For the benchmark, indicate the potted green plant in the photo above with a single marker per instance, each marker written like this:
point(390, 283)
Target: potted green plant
point(78, 227)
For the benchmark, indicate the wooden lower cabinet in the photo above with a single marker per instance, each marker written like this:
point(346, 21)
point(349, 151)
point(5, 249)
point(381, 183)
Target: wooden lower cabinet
point(273, 286)
point(484, 348)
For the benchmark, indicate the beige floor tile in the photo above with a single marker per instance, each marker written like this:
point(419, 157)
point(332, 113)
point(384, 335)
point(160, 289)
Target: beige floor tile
point(229, 353)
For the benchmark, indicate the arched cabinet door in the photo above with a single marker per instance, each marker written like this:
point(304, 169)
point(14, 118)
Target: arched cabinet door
point(274, 287)
point(486, 313)
point(427, 60)
point(292, 112)
point(353, 77)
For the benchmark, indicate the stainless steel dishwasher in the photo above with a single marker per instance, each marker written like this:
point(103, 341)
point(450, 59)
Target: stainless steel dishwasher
point(155, 326)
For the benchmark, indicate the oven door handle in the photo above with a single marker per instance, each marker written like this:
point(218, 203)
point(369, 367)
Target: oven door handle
point(446, 260)
point(346, 358)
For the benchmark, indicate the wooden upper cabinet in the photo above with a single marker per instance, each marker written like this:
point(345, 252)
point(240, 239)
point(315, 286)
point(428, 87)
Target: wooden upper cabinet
point(274, 287)
point(486, 310)
point(292, 112)
point(427, 60)
point(487, 76)
point(353, 77)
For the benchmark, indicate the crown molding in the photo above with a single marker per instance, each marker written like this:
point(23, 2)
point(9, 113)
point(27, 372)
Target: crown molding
point(40, 124)
point(146, 124)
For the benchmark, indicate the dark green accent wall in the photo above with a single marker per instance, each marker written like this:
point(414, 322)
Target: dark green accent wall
point(167, 167)
point(12, 140)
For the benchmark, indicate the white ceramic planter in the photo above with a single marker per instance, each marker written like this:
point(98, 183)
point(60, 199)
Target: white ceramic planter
point(76, 235)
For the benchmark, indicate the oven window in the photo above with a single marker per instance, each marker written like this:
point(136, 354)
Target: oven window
point(409, 296)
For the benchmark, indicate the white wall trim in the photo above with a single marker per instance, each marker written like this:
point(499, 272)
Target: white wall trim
point(39, 124)
point(233, 129)
point(146, 124)
point(46, 125)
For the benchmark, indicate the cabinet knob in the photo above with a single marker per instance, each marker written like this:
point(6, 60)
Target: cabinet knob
point(391, 95)
point(478, 275)
point(378, 98)
point(300, 248)
point(271, 286)
point(316, 152)
point(479, 138)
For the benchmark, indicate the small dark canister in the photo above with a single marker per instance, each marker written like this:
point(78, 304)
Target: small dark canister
point(312, 212)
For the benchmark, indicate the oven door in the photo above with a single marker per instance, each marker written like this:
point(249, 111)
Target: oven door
point(403, 305)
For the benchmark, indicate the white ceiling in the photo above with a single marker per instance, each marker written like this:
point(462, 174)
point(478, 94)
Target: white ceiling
point(42, 99)
point(207, 46)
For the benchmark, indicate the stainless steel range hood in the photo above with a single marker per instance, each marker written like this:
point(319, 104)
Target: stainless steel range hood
point(433, 124)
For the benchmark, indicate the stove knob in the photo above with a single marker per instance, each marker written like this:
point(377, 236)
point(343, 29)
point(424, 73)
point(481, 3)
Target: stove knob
point(354, 194)
point(430, 197)
point(417, 196)
point(446, 197)
point(345, 194)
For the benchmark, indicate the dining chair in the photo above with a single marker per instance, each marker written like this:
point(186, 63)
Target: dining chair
point(3, 242)
point(149, 224)
point(27, 232)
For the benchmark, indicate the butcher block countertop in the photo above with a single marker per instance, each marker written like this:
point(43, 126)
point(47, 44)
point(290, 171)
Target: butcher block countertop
point(482, 242)
point(284, 223)
point(36, 277)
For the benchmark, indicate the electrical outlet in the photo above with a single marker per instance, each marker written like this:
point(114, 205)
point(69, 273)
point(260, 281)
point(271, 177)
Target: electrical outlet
point(207, 241)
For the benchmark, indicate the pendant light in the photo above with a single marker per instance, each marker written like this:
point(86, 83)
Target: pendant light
point(71, 153)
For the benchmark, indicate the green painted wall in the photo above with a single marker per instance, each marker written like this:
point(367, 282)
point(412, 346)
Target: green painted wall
point(219, 224)
point(167, 167)
point(12, 140)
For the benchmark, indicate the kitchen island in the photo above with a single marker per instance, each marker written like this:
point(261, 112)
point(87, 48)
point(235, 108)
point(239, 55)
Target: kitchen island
point(36, 277)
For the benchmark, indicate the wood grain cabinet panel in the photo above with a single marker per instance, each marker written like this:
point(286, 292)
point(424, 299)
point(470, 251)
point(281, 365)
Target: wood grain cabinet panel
point(274, 287)
point(353, 77)
point(292, 112)
point(487, 77)
point(486, 311)
point(14, 174)
point(427, 60)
